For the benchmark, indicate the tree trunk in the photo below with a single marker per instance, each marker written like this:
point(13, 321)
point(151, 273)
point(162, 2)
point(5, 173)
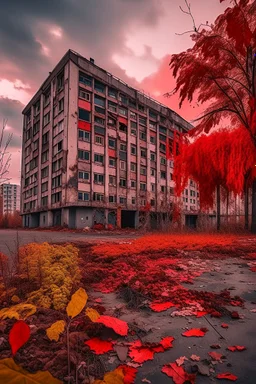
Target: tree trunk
point(218, 206)
point(253, 226)
point(246, 208)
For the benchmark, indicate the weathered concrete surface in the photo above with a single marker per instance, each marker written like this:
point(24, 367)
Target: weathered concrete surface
point(231, 274)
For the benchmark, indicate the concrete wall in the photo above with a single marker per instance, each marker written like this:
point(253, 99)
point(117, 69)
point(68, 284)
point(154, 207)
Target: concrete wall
point(84, 217)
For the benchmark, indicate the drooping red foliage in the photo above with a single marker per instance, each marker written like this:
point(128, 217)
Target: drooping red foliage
point(178, 374)
point(19, 335)
point(119, 326)
point(195, 332)
point(216, 159)
point(99, 346)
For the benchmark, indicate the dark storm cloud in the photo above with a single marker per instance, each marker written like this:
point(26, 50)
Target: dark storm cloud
point(94, 28)
point(10, 110)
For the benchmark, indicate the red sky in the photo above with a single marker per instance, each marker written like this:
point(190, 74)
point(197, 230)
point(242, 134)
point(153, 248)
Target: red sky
point(133, 39)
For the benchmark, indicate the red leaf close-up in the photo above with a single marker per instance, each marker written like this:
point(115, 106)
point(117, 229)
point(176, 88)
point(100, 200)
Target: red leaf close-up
point(195, 332)
point(98, 346)
point(227, 376)
point(159, 307)
point(19, 335)
point(140, 353)
point(215, 356)
point(178, 374)
point(239, 348)
point(129, 374)
point(119, 326)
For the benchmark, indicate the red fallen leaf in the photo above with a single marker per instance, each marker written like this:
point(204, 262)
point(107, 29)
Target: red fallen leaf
point(195, 358)
point(239, 348)
point(215, 356)
point(201, 313)
point(195, 332)
point(235, 303)
point(98, 300)
point(181, 360)
point(215, 346)
point(129, 374)
point(119, 326)
point(166, 342)
point(224, 325)
point(178, 374)
point(216, 314)
point(227, 376)
point(19, 335)
point(235, 315)
point(253, 269)
point(99, 346)
point(159, 307)
point(140, 353)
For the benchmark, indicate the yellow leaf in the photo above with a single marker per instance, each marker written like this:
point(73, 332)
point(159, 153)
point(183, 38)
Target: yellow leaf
point(54, 331)
point(12, 373)
point(114, 377)
point(19, 311)
point(77, 303)
point(92, 314)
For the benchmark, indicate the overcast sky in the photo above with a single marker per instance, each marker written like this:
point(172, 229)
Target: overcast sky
point(132, 39)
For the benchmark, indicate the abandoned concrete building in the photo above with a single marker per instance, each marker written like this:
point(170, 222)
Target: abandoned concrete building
point(96, 150)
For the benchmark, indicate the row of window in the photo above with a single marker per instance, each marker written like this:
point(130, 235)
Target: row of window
point(113, 93)
point(85, 196)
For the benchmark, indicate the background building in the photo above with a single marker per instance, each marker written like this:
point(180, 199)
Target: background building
point(9, 198)
point(95, 149)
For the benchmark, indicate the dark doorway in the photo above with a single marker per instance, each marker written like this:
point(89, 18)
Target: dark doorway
point(72, 218)
point(128, 219)
point(57, 218)
point(191, 221)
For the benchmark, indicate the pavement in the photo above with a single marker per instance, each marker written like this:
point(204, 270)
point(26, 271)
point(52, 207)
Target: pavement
point(232, 274)
point(10, 239)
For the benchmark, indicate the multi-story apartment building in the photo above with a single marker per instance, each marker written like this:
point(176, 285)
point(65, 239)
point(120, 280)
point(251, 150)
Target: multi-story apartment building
point(96, 150)
point(9, 198)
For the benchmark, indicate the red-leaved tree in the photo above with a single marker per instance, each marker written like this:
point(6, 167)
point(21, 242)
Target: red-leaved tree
point(220, 69)
point(221, 159)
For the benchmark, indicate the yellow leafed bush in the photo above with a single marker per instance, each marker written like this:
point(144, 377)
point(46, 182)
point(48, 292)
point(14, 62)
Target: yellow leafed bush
point(54, 269)
point(12, 373)
point(54, 331)
point(19, 311)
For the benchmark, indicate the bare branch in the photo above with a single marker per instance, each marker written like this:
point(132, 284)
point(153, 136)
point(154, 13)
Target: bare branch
point(5, 157)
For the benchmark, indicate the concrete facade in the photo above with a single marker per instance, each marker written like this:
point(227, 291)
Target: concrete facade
point(10, 198)
point(91, 144)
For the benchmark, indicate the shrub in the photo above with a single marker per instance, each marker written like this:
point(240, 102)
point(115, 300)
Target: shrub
point(54, 269)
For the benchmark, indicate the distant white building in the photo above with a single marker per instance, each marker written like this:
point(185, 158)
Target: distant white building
point(9, 198)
